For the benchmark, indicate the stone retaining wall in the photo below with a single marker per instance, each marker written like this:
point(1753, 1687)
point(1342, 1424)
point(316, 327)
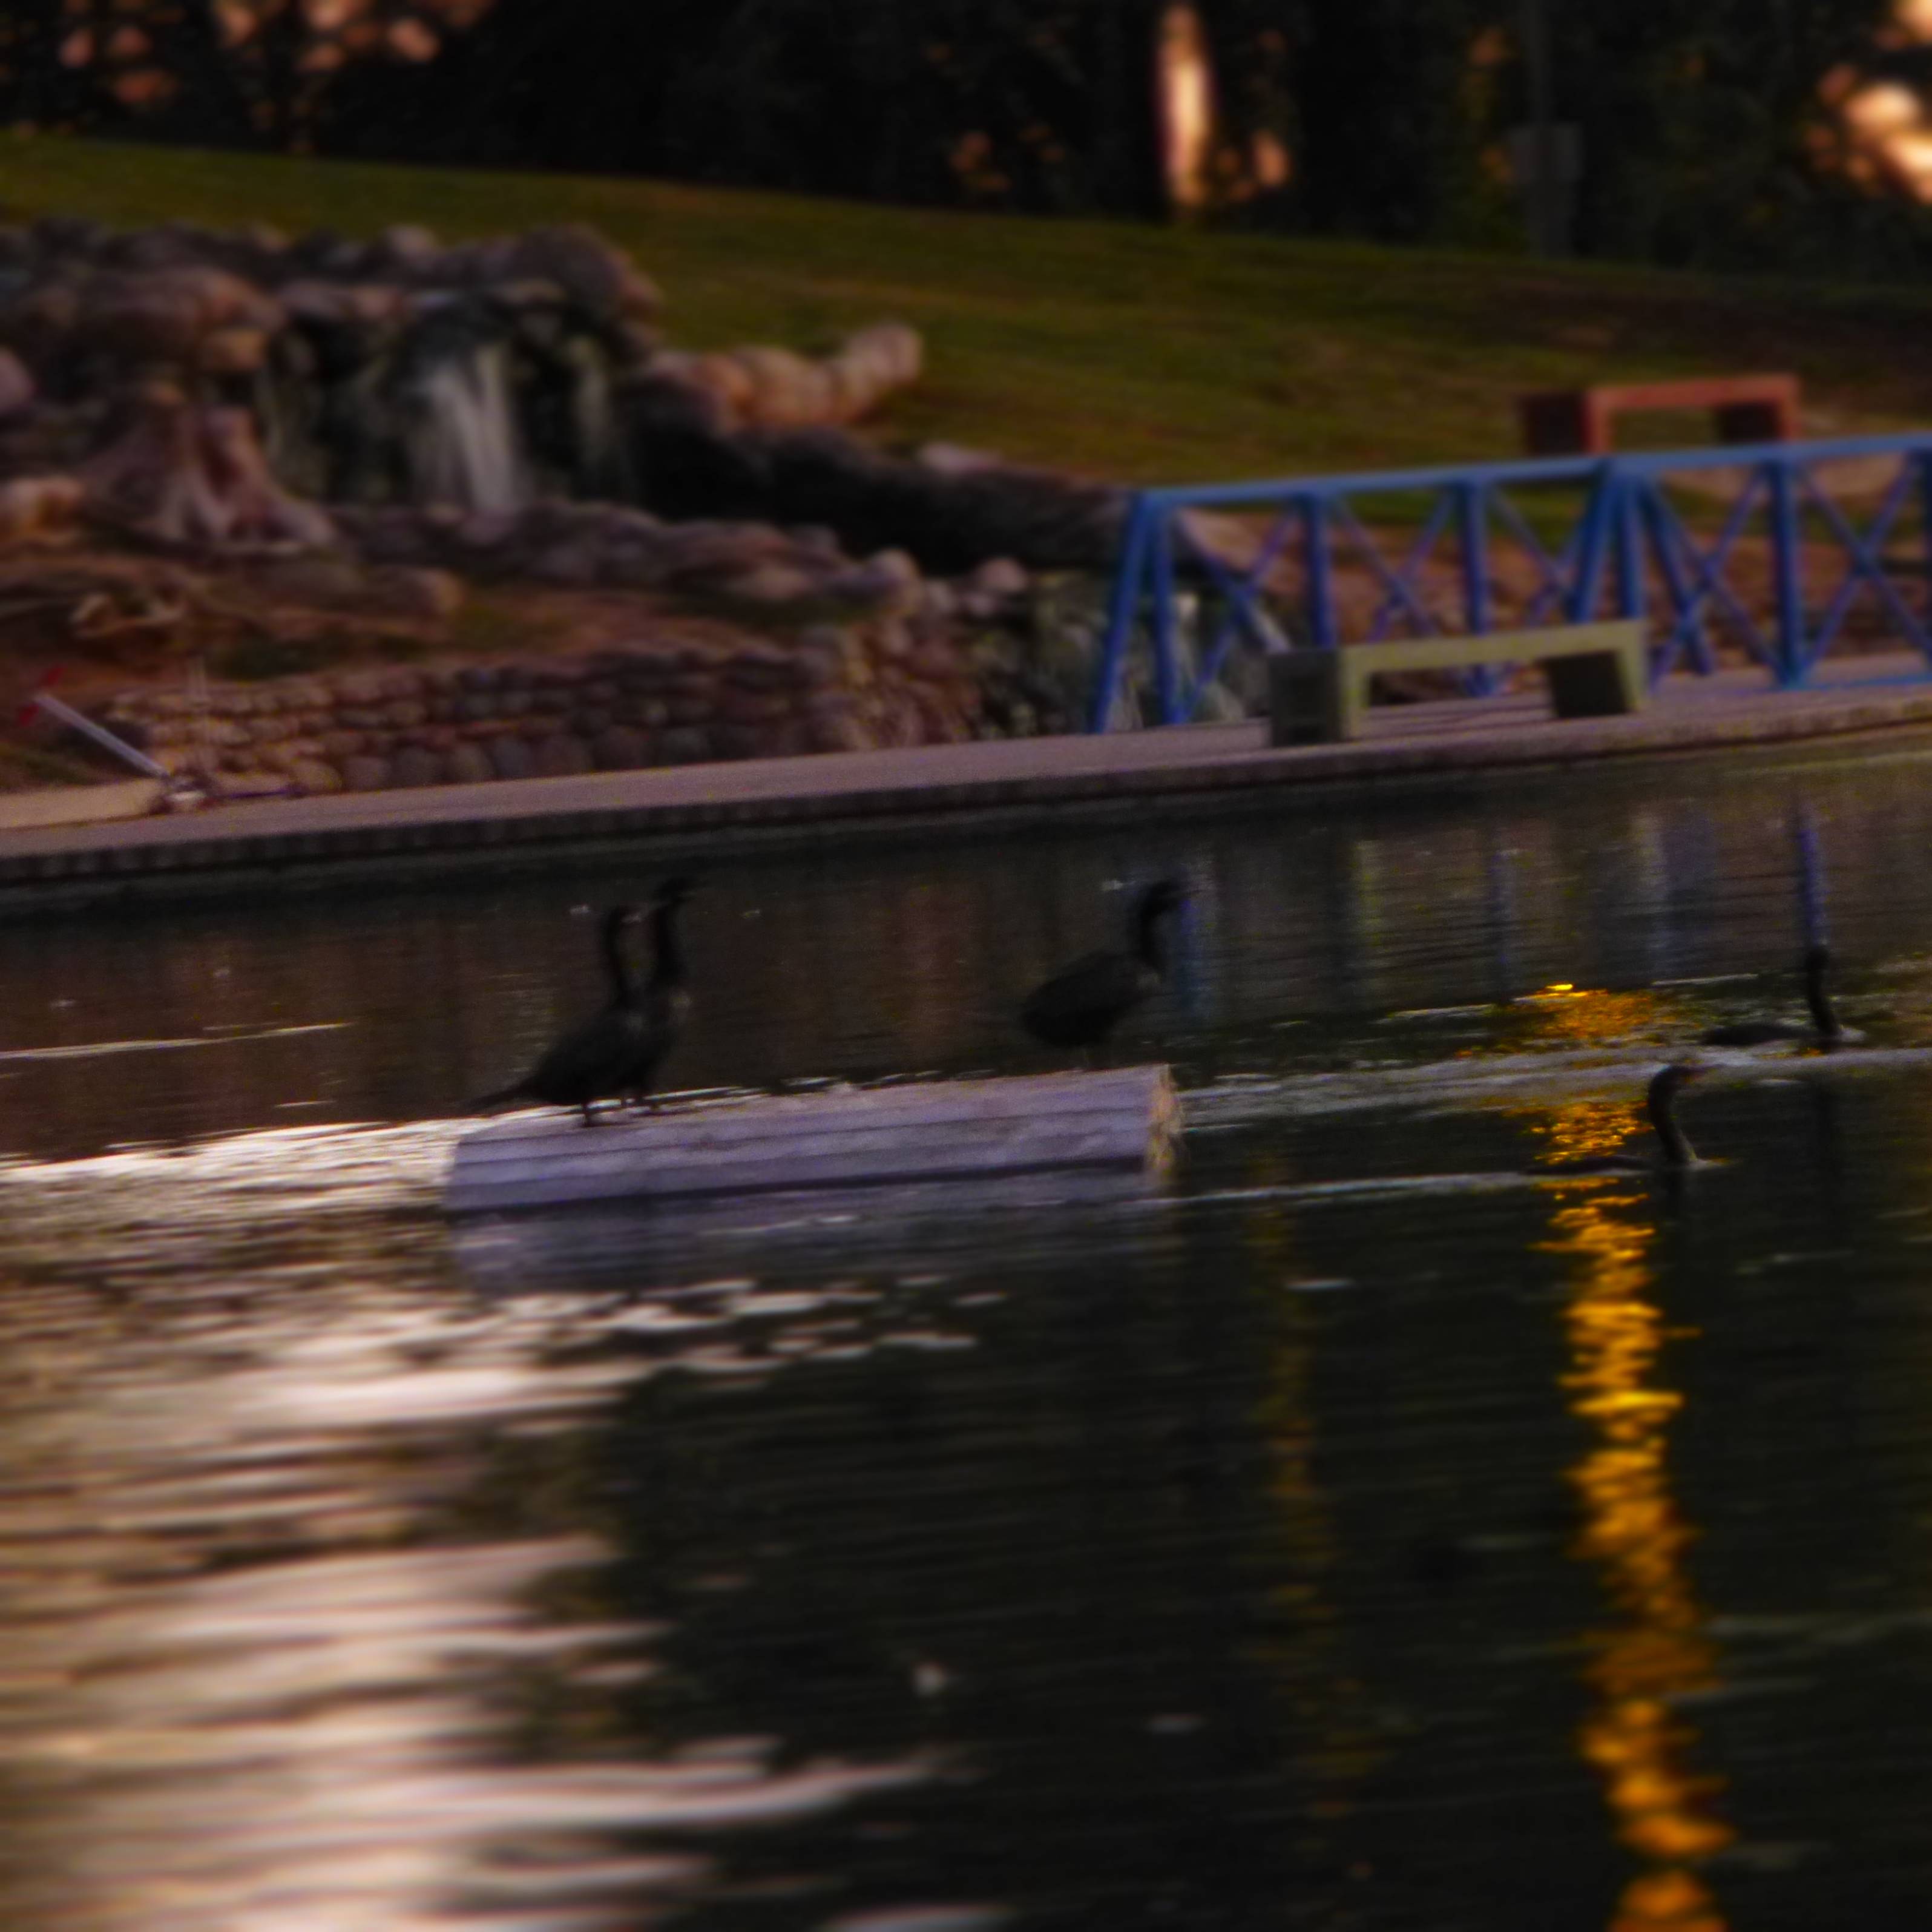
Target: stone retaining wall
point(652, 703)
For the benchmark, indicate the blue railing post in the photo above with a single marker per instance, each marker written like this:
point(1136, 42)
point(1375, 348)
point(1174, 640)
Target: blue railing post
point(1599, 513)
point(1123, 613)
point(1472, 533)
point(1787, 535)
point(1631, 600)
point(1166, 669)
point(1315, 574)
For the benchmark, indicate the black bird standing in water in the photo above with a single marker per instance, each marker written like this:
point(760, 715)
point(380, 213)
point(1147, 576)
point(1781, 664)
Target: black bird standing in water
point(1676, 1152)
point(1082, 1005)
point(1825, 1029)
point(615, 1054)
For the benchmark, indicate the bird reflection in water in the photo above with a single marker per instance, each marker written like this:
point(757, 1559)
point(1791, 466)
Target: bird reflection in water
point(1635, 1536)
point(1308, 1649)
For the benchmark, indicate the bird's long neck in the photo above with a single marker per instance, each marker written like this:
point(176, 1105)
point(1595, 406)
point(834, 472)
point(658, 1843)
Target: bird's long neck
point(617, 965)
point(667, 953)
point(1677, 1151)
point(1819, 1000)
point(1151, 939)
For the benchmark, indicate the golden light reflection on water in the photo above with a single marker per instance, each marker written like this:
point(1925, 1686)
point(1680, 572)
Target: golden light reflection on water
point(1635, 1536)
point(1563, 1018)
point(1583, 1016)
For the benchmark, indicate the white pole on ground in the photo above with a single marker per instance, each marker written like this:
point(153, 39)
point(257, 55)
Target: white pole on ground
point(45, 701)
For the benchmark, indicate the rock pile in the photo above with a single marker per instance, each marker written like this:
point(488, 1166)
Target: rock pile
point(485, 375)
point(195, 476)
point(951, 510)
point(605, 546)
point(761, 387)
point(90, 304)
point(322, 425)
point(353, 357)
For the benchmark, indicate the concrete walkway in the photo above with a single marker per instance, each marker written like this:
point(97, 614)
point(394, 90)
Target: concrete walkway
point(523, 825)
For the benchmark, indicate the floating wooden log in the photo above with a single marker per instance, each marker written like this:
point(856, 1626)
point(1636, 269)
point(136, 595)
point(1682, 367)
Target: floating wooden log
point(1122, 1122)
point(597, 1246)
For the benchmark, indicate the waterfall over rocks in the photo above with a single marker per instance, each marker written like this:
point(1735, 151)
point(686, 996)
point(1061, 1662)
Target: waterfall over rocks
point(481, 377)
point(461, 435)
point(292, 459)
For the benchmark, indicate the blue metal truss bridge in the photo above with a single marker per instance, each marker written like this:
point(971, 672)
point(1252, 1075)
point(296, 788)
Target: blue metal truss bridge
point(1776, 552)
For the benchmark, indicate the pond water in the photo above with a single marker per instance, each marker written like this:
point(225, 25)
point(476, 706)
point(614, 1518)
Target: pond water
point(1384, 1532)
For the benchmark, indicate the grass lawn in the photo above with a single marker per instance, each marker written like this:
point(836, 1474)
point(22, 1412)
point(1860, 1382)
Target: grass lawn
point(1151, 354)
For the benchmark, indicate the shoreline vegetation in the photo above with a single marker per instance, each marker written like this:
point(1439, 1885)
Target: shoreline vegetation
point(1120, 352)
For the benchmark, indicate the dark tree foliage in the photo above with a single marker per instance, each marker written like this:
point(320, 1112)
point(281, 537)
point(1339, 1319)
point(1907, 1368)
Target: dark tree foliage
point(181, 69)
point(36, 88)
point(571, 84)
point(1389, 125)
point(1707, 140)
point(1045, 104)
point(1701, 121)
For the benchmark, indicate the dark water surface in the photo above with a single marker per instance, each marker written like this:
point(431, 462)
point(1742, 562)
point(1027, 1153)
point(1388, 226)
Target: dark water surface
point(1385, 1532)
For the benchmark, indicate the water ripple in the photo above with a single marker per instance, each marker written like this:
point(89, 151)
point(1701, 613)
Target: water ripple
point(263, 1671)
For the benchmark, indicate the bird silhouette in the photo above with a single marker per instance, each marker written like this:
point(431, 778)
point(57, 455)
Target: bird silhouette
point(1825, 1029)
point(1675, 1152)
point(1082, 1004)
point(666, 993)
point(615, 1054)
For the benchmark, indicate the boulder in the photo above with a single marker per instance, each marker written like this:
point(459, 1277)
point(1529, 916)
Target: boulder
point(621, 749)
point(469, 764)
point(314, 775)
point(595, 275)
point(36, 507)
point(232, 352)
point(414, 766)
point(407, 250)
point(562, 755)
point(999, 577)
point(16, 385)
point(683, 744)
point(166, 316)
point(186, 474)
point(511, 758)
point(691, 463)
point(839, 731)
point(738, 741)
point(763, 386)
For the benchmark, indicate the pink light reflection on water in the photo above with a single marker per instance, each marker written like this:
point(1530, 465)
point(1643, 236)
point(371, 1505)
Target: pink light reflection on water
point(268, 1666)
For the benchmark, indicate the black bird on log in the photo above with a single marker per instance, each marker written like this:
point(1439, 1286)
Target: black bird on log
point(615, 1054)
point(667, 995)
point(1080, 1006)
point(1825, 1029)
